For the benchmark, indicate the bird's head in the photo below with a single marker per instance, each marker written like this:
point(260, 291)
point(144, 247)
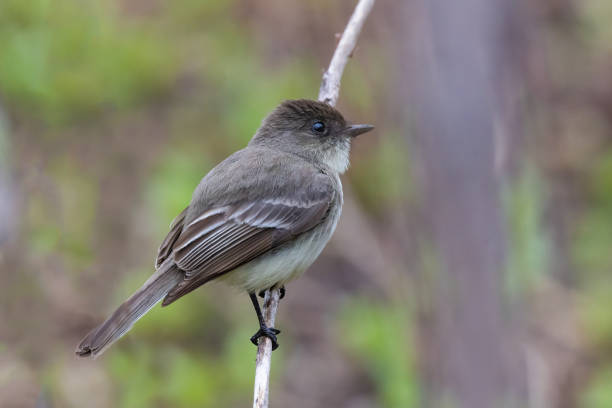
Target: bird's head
point(313, 130)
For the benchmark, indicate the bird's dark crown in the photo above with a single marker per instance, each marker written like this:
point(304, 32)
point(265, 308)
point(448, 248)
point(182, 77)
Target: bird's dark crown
point(309, 129)
point(300, 112)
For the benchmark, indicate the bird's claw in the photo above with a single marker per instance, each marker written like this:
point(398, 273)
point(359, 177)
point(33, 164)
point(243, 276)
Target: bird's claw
point(262, 293)
point(269, 332)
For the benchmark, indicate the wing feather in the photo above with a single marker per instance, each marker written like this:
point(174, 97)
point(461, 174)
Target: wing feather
point(223, 239)
point(165, 249)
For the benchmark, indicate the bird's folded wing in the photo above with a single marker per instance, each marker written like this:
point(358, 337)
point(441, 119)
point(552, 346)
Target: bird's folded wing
point(165, 249)
point(223, 238)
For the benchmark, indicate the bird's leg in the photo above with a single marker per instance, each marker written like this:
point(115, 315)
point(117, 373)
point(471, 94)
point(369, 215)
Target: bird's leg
point(262, 293)
point(269, 332)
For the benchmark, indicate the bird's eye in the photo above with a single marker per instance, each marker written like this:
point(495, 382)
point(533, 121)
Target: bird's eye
point(318, 127)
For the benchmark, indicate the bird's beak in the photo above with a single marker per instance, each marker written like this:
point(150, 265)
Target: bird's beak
point(356, 130)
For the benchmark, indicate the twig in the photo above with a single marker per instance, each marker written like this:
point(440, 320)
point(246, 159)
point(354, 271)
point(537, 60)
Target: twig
point(264, 351)
point(330, 86)
point(329, 91)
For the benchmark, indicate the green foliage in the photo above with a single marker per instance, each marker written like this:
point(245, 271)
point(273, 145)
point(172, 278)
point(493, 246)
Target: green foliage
point(594, 236)
point(238, 357)
point(183, 355)
point(249, 108)
point(191, 381)
point(379, 336)
point(179, 378)
point(67, 59)
point(593, 242)
point(601, 184)
point(55, 228)
point(597, 30)
point(591, 251)
point(528, 245)
point(356, 90)
point(595, 314)
point(44, 233)
point(172, 182)
point(151, 370)
point(135, 373)
point(382, 178)
point(598, 393)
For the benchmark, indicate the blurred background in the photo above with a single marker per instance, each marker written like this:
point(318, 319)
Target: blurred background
point(472, 263)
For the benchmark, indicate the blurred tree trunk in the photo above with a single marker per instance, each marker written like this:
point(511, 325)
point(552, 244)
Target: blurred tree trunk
point(455, 76)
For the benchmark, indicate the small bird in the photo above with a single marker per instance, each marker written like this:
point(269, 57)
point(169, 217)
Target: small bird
point(257, 220)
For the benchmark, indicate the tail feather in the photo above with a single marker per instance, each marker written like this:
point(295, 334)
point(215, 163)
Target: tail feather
point(121, 321)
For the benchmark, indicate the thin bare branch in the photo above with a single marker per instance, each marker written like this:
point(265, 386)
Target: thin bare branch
point(264, 351)
point(330, 86)
point(329, 91)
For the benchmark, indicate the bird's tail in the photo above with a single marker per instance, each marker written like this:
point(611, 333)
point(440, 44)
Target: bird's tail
point(153, 290)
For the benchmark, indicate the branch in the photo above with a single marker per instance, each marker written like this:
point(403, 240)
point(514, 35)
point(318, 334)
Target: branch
point(264, 351)
point(329, 91)
point(330, 86)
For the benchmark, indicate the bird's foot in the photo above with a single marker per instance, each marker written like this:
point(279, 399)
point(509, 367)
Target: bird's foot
point(269, 332)
point(262, 293)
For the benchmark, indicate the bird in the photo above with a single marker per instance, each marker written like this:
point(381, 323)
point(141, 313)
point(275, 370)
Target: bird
point(257, 220)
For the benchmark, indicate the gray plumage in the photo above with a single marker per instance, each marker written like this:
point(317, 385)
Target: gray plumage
point(258, 219)
point(153, 290)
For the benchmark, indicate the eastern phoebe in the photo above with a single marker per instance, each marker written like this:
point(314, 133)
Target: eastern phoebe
point(258, 220)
